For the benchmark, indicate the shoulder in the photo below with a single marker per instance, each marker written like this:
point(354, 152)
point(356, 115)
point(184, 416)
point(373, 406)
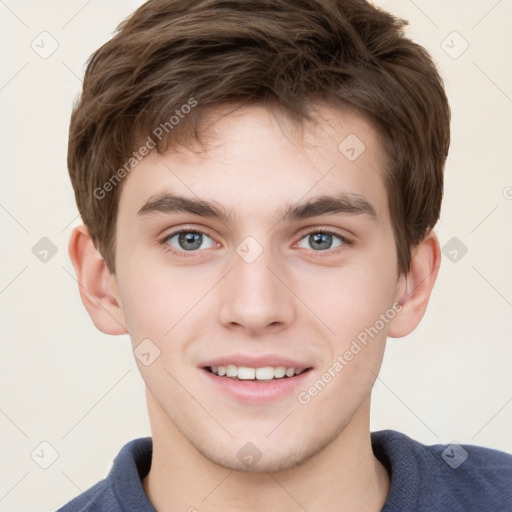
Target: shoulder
point(97, 498)
point(449, 476)
point(122, 488)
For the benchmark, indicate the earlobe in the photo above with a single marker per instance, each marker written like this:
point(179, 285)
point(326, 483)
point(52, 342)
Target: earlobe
point(413, 290)
point(95, 283)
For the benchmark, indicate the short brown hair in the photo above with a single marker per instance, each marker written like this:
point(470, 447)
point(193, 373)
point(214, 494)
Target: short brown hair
point(285, 53)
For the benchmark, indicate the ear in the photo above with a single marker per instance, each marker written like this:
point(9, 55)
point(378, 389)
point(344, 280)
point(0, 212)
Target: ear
point(98, 288)
point(413, 290)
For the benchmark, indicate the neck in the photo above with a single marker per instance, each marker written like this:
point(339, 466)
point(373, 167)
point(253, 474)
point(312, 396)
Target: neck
point(345, 472)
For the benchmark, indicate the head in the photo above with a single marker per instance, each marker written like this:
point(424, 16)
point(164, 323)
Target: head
point(250, 112)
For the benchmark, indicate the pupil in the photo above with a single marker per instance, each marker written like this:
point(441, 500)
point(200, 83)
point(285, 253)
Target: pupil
point(321, 240)
point(190, 240)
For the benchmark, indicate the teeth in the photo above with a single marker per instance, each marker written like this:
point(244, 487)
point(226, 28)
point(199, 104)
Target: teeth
point(264, 373)
point(231, 370)
point(280, 372)
point(246, 373)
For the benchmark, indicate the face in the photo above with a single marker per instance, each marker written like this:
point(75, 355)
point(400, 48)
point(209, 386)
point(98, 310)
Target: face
point(227, 260)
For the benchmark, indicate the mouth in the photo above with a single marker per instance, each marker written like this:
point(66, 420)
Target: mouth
point(259, 385)
point(261, 374)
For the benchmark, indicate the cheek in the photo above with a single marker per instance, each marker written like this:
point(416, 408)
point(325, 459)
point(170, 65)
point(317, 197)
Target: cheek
point(347, 299)
point(162, 302)
point(358, 296)
point(147, 297)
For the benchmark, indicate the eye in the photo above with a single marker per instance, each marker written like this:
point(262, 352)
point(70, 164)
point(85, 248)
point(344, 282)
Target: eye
point(322, 240)
point(188, 241)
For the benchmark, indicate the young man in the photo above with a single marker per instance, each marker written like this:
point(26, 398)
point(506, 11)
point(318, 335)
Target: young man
point(259, 181)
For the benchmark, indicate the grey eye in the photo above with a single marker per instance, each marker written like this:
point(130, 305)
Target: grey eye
point(321, 241)
point(189, 241)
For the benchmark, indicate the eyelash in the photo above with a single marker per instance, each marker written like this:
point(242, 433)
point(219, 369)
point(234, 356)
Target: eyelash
point(187, 254)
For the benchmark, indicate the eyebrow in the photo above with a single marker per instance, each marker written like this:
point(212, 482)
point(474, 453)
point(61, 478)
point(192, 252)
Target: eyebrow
point(342, 203)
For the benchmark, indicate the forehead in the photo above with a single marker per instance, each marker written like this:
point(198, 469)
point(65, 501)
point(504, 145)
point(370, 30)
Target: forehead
point(252, 162)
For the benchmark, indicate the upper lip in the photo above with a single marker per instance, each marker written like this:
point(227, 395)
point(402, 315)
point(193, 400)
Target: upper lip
point(251, 361)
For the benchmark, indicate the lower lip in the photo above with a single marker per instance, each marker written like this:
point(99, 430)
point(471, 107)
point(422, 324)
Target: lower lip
point(254, 392)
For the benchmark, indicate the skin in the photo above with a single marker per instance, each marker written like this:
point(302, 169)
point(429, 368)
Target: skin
point(293, 300)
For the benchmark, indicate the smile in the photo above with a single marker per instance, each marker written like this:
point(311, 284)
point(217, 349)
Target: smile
point(265, 373)
point(256, 386)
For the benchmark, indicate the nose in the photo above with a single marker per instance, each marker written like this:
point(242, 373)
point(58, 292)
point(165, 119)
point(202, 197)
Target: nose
point(255, 296)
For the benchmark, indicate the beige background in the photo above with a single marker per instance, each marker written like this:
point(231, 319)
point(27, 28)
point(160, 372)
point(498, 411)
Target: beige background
point(65, 383)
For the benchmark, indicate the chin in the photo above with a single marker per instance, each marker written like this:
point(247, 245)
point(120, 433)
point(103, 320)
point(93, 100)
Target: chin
point(263, 455)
